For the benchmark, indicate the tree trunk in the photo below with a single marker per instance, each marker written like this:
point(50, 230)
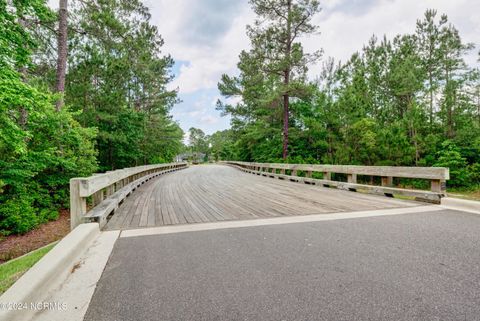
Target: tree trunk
point(286, 81)
point(285, 124)
point(451, 130)
point(449, 102)
point(62, 52)
point(478, 104)
point(430, 76)
point(23, 119)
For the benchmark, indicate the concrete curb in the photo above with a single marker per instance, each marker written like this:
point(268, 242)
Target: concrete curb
point(76, 291)
point(33, 286)
point(461, 205)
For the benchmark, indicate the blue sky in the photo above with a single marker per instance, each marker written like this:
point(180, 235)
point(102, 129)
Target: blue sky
point(205, 38)
point(197, 108)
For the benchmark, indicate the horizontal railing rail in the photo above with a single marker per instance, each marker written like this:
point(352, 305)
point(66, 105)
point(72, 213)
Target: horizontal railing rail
point(109, 189)
point(436, 175)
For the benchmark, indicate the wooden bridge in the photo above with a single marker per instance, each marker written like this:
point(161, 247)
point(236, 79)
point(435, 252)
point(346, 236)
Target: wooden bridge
point(169, 194)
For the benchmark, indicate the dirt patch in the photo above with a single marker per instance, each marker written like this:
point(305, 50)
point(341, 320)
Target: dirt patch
point(14, 246)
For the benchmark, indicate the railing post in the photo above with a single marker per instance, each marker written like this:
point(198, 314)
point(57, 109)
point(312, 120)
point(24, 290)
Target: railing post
point(327, 176)
point(438, 186)
point(294, 172)
point(387, 181)
point(98, 197)
point(78, 205)
point(352, 178)
point(110, 190)
point(309, 174)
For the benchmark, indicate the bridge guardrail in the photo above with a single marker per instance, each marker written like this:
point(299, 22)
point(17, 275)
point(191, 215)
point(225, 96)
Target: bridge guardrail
point(436, 175)
point(108, 190)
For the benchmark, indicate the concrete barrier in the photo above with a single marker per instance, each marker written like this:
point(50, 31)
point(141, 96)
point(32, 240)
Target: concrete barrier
point(461, 205)
point(18, 302)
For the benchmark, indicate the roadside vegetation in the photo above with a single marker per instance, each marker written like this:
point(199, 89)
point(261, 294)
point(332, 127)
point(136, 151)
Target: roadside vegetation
point(13, 270)
point(470, 193)
point(407, 101)
point(109, 109)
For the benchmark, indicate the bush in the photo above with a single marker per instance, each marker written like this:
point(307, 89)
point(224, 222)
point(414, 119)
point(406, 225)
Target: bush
point(37, 158)
point(449, 156)
point(17, 216)
point(474, 171)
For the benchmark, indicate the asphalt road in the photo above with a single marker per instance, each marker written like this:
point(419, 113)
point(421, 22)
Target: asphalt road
point(403, 267)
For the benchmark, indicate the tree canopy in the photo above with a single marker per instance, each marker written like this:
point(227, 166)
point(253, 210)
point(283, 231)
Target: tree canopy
point(117, 107)
point(410, 100)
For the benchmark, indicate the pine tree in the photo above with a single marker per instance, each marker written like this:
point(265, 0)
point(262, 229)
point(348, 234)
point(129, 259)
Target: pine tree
point(277, 57)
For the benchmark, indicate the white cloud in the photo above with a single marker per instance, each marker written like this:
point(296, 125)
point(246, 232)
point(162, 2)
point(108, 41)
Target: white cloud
point(209, 119)
point(210, 49)
point(344, 29)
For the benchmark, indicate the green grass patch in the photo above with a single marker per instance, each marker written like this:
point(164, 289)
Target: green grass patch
point(465, 193)
point(12, 270)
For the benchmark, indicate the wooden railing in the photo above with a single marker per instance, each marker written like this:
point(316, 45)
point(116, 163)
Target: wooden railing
point(107, 191)
point(436, 175)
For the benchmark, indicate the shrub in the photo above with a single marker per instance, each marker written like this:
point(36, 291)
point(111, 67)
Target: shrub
point(474, 171)
point(449, 156)
point(37, 158)
point(17, 216)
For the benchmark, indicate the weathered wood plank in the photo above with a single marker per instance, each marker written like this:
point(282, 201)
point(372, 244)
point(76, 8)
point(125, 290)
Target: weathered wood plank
point(103, 209)
point(393, 171)
point(431, 197)
point(90, 185)
point(215, 193)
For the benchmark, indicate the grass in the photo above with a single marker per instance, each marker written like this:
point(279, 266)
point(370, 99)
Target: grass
point(12, 270)
point(469, 194)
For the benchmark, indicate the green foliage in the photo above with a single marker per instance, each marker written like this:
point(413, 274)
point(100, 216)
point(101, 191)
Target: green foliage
point(12, 270)
point(117, 78)
point(449, 156)
point(16, 42)
point(197, 140)
point(117, 104)
point(38, 158)
point(274, 71)
point(474, 171)
point(17, 215)
point(222, 143)
point(409, 101)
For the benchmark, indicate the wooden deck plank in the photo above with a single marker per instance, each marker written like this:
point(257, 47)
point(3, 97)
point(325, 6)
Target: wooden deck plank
point(209, 193)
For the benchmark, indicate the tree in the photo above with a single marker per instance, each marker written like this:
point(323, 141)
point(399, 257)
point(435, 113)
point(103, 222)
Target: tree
point(117, 78)
point(452, 64)
point(394, 102)
point(277, 55)
point(61, 51)
point(198, 141)
point(34, 174)
point(428, 34)
point(223, 145)
point(115, 85)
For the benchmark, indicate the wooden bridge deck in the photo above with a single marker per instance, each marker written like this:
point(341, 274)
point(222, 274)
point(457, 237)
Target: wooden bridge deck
point(209, 193)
